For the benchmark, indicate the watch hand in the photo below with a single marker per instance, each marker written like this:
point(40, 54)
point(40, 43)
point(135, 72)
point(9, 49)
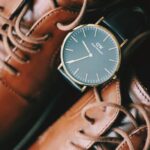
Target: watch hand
point(87, 49)
point(72, 61)
point(97, 49)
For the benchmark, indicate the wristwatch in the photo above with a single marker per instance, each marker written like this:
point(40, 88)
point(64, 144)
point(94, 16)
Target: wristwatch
point(91, 54)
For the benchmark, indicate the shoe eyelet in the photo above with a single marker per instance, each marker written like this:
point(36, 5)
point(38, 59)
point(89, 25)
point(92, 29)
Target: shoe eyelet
point(1, 8)
point(90, 119)
point(18, 74)
point(49, 35)
point(81, 131)
point(28, 61)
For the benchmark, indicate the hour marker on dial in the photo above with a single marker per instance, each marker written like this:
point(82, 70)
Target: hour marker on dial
point(112, 48)
point(70, 50)
point(84, 32)
point(112, 60)
point(97, 77)
point(95, 33)
point(77, 70)
point(106, 38)
point(75, 39)
point(86, 77)
point(107, 71)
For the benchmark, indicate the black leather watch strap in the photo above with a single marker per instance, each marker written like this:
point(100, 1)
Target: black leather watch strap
point(126, 23)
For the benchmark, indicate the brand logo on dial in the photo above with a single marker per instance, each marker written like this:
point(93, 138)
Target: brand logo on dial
point(90, 55)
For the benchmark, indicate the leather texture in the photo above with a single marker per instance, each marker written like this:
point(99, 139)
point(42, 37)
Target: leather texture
point(137, 92)
point(64, 131)
point(139, 86)
point(18, 93)
point(75, 3)
point(92, 4)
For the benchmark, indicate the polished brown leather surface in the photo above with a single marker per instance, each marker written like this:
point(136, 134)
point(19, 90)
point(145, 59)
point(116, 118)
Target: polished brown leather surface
point(12, 106)
point(33, 75)
point(138, 92)
point(77, 3)
point(64, 131)
point(68, 3)
point(16, 92)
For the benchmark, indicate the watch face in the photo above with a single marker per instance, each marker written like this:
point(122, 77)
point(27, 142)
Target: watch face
point(90, 55)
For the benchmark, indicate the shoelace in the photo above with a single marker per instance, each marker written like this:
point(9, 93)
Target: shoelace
point(103, 139)
point(13, 38)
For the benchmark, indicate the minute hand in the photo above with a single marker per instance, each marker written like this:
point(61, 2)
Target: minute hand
point(87, 49)
point(73, 61)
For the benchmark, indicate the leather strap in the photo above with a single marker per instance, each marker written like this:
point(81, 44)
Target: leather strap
point(138, 92)
point(126, 23)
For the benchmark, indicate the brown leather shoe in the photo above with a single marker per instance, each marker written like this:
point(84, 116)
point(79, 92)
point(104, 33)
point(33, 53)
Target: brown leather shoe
point(140, 82)
point(138, 92)
point(76, 128)
point(27, 64)
point(79, 126)
point(93, 121)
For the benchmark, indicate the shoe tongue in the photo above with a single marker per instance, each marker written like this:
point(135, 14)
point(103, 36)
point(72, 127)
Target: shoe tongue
point(38, 9)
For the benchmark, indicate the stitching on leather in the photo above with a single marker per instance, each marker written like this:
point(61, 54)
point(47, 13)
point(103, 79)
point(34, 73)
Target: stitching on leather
point(59, 10)
point(124, 143)
point(111, 120)
point(12, 91)
point(138, 87)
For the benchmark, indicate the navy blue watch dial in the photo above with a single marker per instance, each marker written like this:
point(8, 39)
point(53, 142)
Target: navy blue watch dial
point(90, 55)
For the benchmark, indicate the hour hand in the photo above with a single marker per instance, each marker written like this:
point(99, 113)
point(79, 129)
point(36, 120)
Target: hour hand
point(87, 49)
